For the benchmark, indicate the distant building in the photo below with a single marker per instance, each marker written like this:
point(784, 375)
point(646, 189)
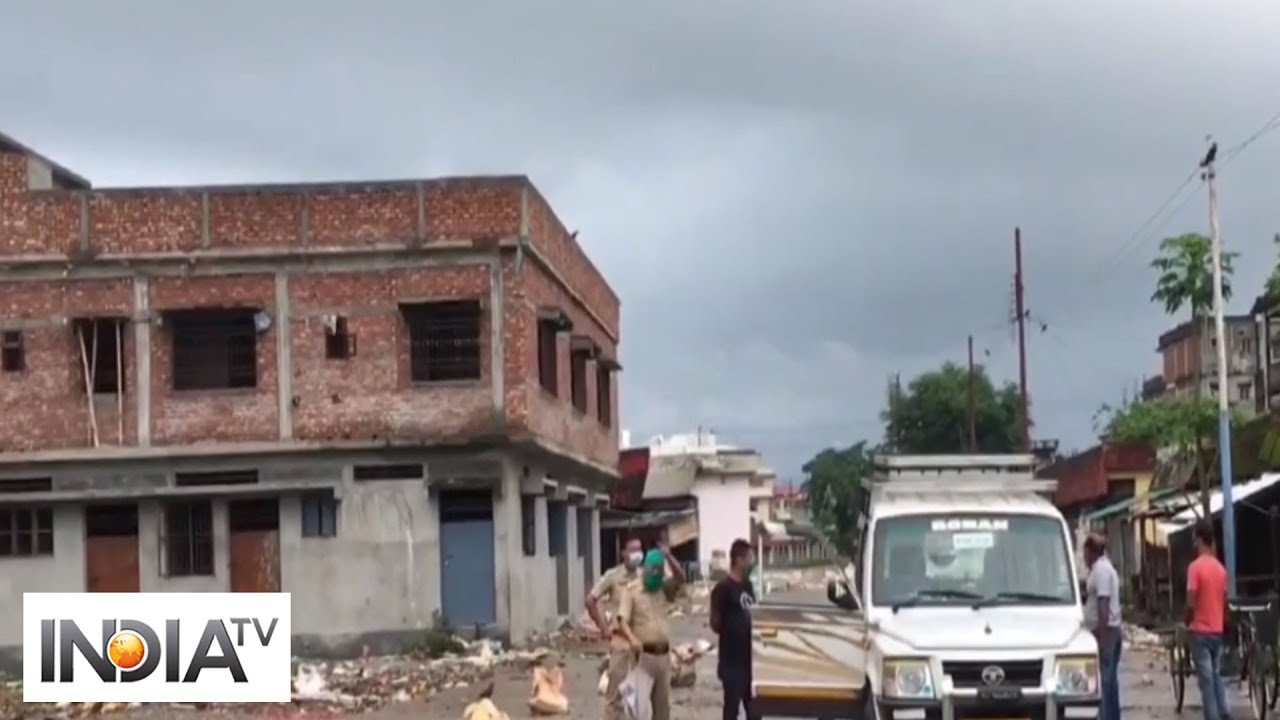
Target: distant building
point(1098, 488)
point(1181, 357)
point(700, 492)
point(1266, 327)
point(784, 531)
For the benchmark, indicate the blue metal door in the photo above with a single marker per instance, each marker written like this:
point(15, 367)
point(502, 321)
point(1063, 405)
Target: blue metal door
point(467, 586)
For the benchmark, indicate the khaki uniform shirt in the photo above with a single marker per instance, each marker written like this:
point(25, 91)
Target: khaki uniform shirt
point(611, 588)
point(648, 614)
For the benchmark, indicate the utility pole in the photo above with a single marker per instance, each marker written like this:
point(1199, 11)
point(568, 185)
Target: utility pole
point(1022, 337)
point(1224, 409)
point(973, 405)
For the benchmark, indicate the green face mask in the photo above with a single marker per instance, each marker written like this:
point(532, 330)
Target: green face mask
point(652, 582)
point(653, 565)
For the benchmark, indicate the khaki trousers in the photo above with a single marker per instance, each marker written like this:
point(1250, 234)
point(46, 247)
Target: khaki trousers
point(620, 660)
point(659, 668)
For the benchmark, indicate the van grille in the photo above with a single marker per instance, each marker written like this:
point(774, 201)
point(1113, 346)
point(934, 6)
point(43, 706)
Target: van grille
point(1017, 673)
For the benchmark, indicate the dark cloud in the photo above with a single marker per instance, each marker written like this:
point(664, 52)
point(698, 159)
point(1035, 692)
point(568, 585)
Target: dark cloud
point(793, 199)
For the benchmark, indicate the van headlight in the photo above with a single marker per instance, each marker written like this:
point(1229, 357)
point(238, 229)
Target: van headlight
point(907, 679)
point(1076, 675)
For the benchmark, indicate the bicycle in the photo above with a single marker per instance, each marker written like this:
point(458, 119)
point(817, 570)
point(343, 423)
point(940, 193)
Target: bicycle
point(1255, 637)
point(1178, 649)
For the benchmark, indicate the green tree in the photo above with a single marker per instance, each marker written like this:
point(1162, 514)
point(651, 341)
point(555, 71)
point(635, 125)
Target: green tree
point(932, 415)
point(1179, 427)
point(1185, 264)
point(1273, 280)
point(833, 481)
point(1185, 283)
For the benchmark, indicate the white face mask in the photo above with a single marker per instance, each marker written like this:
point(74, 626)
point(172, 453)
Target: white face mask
point(634, 560)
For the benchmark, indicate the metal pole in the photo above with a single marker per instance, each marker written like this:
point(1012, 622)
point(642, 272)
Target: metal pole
point(760, 586)
point(1022, 337)
point(1224, 409)
point(973, 405)
point(1272, 518)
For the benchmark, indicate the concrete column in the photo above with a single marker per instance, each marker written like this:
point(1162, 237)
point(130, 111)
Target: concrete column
point(577, 581)
point(541, 538)
point(595, 544)
point(284, 357)
point(142, 358)
point(509, 581)
point(497, 341)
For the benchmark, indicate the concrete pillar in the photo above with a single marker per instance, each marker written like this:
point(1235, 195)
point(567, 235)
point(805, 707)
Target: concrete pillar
point(284, 357)
point(142, 358)
point(595, 545)
point(497, 340)
point(542, 541)
point(577, 587)
point(508, 553)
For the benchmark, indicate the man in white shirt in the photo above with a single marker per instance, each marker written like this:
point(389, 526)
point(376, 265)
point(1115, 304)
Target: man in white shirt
point(1102, 615)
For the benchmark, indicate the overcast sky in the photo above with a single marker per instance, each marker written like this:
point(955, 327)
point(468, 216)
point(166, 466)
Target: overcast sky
point(794, 199)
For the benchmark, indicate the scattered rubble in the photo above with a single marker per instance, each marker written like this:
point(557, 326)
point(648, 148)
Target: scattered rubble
point(343, 685)
point(546, 696)
point(1141, 638)
point(369, 683)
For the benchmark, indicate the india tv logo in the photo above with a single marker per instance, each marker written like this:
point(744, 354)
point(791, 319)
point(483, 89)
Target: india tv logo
point(156, 647)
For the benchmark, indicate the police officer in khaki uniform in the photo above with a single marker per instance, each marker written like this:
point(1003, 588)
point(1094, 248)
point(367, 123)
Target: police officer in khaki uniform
point(645, 619)
point(611, 587)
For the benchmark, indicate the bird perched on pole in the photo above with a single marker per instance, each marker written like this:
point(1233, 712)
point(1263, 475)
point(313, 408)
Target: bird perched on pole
point(1210, 156)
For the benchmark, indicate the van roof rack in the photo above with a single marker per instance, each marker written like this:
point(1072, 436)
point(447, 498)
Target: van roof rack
point(960, 485)
point(976, 473)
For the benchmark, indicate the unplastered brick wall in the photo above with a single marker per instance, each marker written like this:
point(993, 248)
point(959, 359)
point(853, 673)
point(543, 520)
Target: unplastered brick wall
point(371, 394)
point(555, 418)
point(366, 395)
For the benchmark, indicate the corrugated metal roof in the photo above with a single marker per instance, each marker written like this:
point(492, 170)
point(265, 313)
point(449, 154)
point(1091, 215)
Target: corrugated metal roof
point(1241, 492)
point(617, 520)
point(1122, 506)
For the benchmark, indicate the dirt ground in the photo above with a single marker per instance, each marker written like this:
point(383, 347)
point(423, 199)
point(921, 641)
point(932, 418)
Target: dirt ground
point(1145, 694)
point(510, 694)
point(1145, 691)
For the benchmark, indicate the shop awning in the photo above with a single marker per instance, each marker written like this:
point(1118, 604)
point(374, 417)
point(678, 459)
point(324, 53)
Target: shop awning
point(656, 518)
point(1124, 506)
point(670, 476)
point(1240, 493)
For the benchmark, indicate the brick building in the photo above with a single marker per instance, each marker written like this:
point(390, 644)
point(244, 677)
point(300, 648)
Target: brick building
point(388, 398)
point(1180, 359)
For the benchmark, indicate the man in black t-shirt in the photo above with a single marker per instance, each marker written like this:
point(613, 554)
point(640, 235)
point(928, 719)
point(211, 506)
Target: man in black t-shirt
point(731, 602)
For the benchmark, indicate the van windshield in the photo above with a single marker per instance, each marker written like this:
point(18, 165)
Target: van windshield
point(950, 558)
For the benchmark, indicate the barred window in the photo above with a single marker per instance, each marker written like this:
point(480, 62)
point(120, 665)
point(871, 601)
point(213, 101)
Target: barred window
point(444, 340)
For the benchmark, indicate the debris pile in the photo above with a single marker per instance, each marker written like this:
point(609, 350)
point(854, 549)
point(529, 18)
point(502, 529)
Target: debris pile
point(546, 695)
point(372, 682)
point(1141, 638)
point(342, 686)
point(12, 707)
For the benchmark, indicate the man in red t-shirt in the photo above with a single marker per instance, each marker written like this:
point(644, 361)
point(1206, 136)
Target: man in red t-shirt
point(1206, 620)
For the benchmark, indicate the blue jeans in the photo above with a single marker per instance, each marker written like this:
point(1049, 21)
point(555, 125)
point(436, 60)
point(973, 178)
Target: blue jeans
point(1206, 652)
point(1109, 668)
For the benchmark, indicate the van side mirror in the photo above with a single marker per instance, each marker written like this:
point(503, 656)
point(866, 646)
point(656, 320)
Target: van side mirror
point(840, 595)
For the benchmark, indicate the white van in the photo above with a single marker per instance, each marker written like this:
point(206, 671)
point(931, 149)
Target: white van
point(965, 604)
